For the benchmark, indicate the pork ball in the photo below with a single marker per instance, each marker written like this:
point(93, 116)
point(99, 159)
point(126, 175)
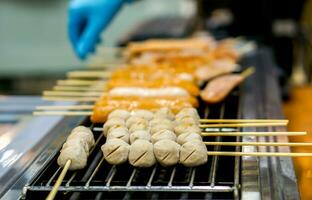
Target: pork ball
point(160, 127)
point(163, 134)
point(145, 114)
point(142, 154)
point(139, 125)
point(119, 133)
point(84, 133)
point(158, 121)
point(193, 153)
point(164, 113)
point(119, 113)
point(167, 152)
point(188, 112)
point(186, 128)
point(140, 134)
point(186, 137)
point(115, 151)
point(113, 123)
point(76, 154)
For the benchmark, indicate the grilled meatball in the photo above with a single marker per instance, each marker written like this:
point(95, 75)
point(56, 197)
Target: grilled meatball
point(84, 133)
point(145, 114)
point(167, 152)
point(157, 121)
point(163, 134)
point(161, 127)
point(115, 151)
point(140, 134)
point(164, 113)
point(139, 125)
point(113, 123)
point(186, 137)
point(133, 120)
point(76, 153)
point(119, 113)
point(188, 112)
point(142, 154)
point(193, 153)
point(186, 128)
point(119, 133)
point(187, 120)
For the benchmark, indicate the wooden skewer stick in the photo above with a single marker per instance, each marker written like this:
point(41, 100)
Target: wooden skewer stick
point(258, 144)
point(76, 99)
point(241, 125)
point(73, 94)
point(284, 154)
point(72, 82)
point(72, 107)
point(251, 133)
point(79, 89)
point(65, 113)
point(89, 74)
point(58, 182)
point(247, 72)
point(243, 120)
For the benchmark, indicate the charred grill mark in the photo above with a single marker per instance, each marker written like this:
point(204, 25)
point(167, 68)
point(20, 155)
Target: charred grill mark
point(141, 156)
point(166, 156)
point(113, 151)
point(189, 155)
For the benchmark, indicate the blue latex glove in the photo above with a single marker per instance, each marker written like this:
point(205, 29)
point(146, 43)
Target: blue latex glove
point(87, 19)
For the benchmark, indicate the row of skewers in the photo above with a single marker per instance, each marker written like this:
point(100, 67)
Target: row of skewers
point(142, 101)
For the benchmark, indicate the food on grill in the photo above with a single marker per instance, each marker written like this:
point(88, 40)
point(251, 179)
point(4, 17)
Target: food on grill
point(142, 154)
point(188, 86)
point(186, 137)
point(77, 155)
point(149, 92)
point(217, 89)
point(187, 112)
point(135, 123)
point(167, 152)
point(193, 153)
point(146, 114)
point(214, 69)
point(119, 113)
point(160, 127)
point(115, 151)
point(140, 134)
point(119, 133)
point(163, 134)
point(113, 123)
point(186, 128)
point(84, 133)
point(76, 148)
point(164, 113)
point(156, 121)
point(103, 107)
point(187, 120)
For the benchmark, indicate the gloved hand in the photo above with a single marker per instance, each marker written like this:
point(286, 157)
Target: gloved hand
point(87, 19)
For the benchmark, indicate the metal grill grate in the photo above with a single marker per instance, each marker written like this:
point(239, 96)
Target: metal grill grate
point(217, 179)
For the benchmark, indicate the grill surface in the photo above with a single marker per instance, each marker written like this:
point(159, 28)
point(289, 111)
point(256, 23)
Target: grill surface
point(217, 179)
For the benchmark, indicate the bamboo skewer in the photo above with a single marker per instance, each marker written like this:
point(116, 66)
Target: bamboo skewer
point(280, 154)
point(242, 125)
point(258, 144)
point(89, 74)
point(79, 89)
point(251, 133)
point(73, 94)
point(58, 182)
point(244, 120)
point(76, 99)
point(73, 82)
